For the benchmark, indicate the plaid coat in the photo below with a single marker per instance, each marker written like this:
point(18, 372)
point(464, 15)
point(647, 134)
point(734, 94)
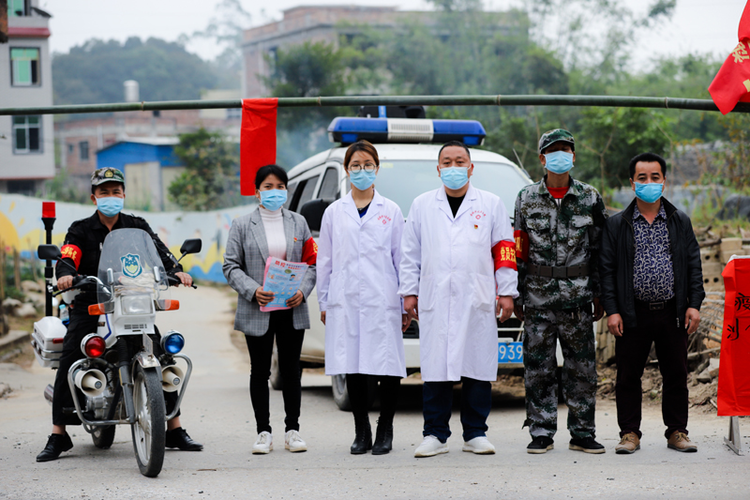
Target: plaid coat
point(245, 264)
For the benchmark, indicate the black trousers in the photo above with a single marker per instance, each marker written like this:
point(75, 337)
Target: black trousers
point(631, 352)
point(358, 387)
point(289, 345)
point(81, 324)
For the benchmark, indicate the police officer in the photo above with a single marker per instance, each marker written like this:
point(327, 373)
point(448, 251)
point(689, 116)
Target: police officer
point(558, 226)
point(81, 250)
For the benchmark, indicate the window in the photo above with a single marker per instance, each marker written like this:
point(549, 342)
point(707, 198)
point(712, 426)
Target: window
point(27, 134)
point(18, 8)
point(71, 148)
point(290, 190)
point(22, 187)
point(83, 150)
point(24, 66)
point(329, 188)
point(307, 192)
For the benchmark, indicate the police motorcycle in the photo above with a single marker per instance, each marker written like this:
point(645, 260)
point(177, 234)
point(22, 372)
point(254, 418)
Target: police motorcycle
point(121, 378)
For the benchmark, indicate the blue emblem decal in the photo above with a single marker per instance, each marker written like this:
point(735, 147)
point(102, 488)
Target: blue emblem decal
point(131, 265)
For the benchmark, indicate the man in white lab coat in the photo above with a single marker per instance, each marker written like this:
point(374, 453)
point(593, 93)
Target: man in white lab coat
point(458, 273)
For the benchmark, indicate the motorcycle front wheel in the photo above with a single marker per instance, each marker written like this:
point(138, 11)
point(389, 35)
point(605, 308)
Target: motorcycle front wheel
point(150, 428)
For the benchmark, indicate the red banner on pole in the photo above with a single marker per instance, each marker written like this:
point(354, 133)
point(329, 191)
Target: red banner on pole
point(733, 397)
point(257, 140)
point(732, 83)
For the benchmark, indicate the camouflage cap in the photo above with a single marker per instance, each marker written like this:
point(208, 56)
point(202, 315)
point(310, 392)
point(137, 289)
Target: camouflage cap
point(556, 135)
point(107, 174)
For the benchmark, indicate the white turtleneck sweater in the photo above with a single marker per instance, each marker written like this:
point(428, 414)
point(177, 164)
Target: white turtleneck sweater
point(273, 223)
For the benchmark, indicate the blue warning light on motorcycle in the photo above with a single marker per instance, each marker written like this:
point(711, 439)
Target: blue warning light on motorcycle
point(173, 343)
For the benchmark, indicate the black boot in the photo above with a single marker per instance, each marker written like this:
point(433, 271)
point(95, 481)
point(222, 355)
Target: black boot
point(383, 437)
point(178, 438)
point(56, 444)
point(363, 438)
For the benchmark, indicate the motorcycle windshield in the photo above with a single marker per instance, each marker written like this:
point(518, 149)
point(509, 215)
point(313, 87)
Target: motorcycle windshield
point(130, 265)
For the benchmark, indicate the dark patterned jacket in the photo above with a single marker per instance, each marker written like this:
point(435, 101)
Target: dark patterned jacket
point(617, 259)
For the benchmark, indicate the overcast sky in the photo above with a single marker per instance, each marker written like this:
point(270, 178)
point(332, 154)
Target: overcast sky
point(697, 25)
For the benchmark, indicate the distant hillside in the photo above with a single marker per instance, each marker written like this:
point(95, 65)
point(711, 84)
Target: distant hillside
point(94, 72)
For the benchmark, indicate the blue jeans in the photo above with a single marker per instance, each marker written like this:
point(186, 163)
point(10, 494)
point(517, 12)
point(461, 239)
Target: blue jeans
point(476, 401)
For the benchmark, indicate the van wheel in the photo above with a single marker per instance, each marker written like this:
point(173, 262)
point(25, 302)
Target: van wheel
point(275, 378)
point(340, 394)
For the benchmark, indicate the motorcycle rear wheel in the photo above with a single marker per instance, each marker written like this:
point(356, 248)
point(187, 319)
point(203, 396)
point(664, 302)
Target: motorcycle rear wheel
point(150, 427)
point(104, 436)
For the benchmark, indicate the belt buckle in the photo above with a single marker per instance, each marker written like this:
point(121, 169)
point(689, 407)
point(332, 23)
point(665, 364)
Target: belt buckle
point(656, 306)
point(559, 272)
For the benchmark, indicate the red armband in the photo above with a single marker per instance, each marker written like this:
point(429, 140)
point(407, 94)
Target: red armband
point(73, 253)
point(522, 245)
point(310, 252)
point(504, 254)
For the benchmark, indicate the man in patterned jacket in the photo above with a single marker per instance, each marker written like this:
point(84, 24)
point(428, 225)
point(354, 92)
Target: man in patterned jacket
point(558, 225)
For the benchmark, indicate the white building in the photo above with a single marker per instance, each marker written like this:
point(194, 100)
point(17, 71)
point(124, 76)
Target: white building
point(27, 152)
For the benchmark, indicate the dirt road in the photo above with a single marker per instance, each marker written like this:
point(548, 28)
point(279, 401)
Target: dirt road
point(217, 412)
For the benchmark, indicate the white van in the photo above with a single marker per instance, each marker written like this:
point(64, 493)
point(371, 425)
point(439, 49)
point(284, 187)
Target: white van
point(407, 169)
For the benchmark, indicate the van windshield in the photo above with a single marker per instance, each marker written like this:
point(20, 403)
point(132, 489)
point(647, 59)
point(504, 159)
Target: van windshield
point(404, 180)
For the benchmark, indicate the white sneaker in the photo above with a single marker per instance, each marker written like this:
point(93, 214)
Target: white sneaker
point(293, 442)
point(479, 445)
point(264, 443)
point(430, 447)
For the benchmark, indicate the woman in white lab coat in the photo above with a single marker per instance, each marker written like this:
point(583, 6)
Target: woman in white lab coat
point(359, 251)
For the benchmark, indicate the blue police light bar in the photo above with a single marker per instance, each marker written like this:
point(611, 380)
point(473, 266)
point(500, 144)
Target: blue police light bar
point(380, 130)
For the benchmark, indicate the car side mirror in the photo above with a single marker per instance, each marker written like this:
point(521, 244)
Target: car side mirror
point(312, 211)
point(193, 245)
point(48, 252)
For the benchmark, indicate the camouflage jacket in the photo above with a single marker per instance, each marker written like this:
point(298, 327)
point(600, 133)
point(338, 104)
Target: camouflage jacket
point(548, 235)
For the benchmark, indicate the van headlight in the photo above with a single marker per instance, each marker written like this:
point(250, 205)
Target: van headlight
point(137, 304)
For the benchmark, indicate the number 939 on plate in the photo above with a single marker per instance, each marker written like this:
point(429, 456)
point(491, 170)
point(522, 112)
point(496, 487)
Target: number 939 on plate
point(510, 352)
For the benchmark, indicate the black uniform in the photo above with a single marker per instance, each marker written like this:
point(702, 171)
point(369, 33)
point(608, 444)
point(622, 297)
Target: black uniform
point(83, 245)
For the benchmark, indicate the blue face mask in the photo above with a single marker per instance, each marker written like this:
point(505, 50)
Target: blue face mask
point(454, 177)
point(650, 192)
point(558, 162)
point(110, 205)
point(362, 180)
point(273, 199)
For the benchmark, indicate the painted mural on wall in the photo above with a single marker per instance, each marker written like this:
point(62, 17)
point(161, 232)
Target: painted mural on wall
point(21, 227)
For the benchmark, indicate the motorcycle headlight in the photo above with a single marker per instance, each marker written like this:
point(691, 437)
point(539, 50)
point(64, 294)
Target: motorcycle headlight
point(173, 342)
point(137, 304)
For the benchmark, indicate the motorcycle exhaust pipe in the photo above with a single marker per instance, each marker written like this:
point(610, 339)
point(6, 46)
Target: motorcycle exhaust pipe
point(171, 378)
point(91, 382)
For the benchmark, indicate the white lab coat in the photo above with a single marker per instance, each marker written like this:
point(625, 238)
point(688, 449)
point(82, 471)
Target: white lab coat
point(357, 279)
point(448, 264)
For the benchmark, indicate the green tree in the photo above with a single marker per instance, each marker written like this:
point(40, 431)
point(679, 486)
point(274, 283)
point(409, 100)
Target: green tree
point(211, 179)
point(95, 71)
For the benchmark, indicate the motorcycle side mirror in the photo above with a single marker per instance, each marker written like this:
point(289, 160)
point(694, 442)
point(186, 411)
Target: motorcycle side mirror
point(193, 245)
point(312, 211)
point(48, 252)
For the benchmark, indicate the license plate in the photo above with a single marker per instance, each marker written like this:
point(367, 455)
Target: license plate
point(510, 352)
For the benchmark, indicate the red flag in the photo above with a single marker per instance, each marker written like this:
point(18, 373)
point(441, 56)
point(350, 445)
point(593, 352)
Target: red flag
point(258, 140)
point(732, 83)
point(733, 398)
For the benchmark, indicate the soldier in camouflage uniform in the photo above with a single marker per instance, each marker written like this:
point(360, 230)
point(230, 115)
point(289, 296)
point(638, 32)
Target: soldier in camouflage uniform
point(558, 225)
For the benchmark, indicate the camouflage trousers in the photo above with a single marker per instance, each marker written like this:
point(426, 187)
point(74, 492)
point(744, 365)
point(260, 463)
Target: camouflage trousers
point(574, 329)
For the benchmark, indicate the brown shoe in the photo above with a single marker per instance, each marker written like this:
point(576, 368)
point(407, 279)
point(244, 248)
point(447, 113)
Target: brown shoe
point(628, 444)
point(680, 442)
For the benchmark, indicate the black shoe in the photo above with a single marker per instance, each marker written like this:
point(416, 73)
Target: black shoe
point(363, 435)
point(586, 445)
point(178, 438)
point(56, 444)
point(383, 438)
point(540, 444)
